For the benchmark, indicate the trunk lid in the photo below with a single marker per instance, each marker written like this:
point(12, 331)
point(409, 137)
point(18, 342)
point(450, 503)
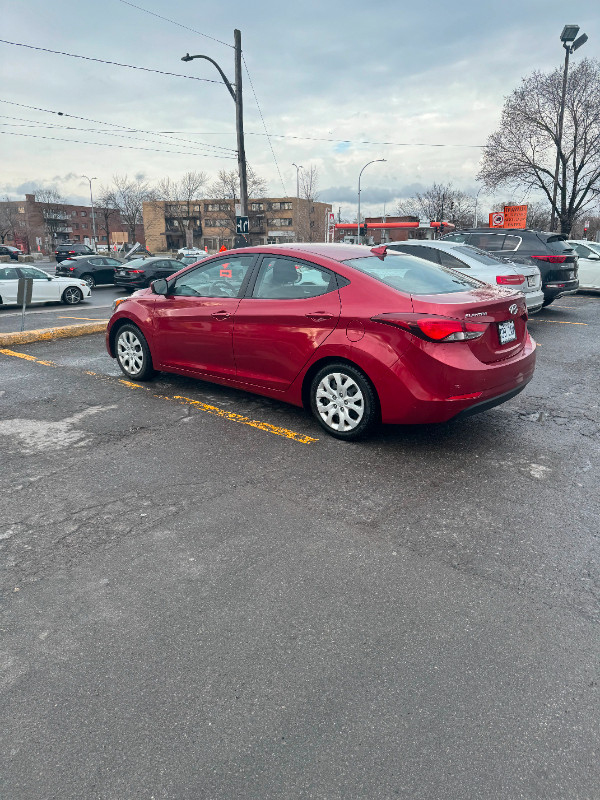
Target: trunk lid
point(503, 310)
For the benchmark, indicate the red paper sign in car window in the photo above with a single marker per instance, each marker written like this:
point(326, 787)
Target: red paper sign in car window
point(226, 271)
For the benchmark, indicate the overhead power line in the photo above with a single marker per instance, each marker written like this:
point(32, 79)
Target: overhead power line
point(108, 144)
point(172, 21)
point(113, 63)
point(113, 125)
point(264, 125)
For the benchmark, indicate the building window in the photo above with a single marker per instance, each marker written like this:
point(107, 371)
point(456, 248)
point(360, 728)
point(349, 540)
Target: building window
point(21, 209)
point(217, 207)
point(257, 206)
point(73, 213)
point(84, 224)
point(75, 238)
point(83, 213)
point(75, 225)
point(274, 206)
point(281, 222)
point(286, 206)
point(103, 239)
point(217, 223)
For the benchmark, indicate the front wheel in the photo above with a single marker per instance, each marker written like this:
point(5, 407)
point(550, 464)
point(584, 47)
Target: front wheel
point(72, 296)
point(343, 401)
point(133, 353)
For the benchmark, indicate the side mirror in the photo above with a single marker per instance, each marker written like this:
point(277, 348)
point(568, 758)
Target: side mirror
point(160, 286)
point(593, 257)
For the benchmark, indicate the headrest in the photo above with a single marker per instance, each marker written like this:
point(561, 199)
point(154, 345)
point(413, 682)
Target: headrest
point(284, 272)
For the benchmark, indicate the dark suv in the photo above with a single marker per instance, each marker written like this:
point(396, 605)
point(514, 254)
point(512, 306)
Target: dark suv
point(550, 252)
point(69, 249)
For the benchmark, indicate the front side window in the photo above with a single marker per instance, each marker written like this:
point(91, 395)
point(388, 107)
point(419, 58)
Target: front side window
point(222, 278)
point(286, 279)
point(413, 275)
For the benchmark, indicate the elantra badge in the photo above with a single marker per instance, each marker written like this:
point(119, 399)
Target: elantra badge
point(513, 308)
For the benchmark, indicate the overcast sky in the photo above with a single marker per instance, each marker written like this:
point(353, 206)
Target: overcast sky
point(388, 72)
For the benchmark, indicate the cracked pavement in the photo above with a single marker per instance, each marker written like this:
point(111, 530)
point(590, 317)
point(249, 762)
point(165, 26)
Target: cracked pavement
point(194, 607)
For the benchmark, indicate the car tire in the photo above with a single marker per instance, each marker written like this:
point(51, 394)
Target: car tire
point(89, 279)
point(72, 296)
point(343, 401)
point(133, 354)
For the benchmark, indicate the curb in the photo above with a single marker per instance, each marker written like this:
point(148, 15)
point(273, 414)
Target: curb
point(46, 334)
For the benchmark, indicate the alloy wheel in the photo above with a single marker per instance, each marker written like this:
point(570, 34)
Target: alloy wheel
point(72, 295)
point(340, 402)
point(130, 352)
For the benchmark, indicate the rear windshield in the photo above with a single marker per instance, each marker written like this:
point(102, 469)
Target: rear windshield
point(557, 242)
point(136, 263)
point(413, 275)
point(478, 255)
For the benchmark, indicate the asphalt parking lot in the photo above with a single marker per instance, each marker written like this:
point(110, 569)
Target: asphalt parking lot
point(206, 596)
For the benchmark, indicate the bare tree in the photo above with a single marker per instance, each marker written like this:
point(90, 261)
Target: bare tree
point(227, 185)
point(8, 219)
point(55, 217)
point(309, 194)
point(129, 197)
point(180, 199)
point(440, 202)
point(106, 210)
point(522, 152)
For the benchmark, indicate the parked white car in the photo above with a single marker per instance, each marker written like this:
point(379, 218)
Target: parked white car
point(479, 264)
point(589, 263)
point(46, 288)
point(189, 251)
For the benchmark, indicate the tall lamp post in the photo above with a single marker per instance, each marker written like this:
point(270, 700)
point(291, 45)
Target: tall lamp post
point(571, 43)
point(298, 168)
point(476, 201)
point(377, 160)
point(236, 94)
point(89, 180)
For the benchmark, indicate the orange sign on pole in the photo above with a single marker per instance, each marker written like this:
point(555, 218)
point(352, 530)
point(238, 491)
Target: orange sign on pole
point(515, 216)
point(497, 219)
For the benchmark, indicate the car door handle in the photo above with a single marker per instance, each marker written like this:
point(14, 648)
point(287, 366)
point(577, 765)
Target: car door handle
point(221, 315)
point(319, 316)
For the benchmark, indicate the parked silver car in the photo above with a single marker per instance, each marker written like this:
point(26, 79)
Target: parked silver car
point(479, 264)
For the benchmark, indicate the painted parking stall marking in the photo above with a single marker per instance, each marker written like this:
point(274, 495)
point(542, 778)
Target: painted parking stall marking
point(197, 405)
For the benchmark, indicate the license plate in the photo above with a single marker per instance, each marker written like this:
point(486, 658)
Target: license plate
point(507, 332)
point(121, 272)
point(531, 280)
point(571, 275)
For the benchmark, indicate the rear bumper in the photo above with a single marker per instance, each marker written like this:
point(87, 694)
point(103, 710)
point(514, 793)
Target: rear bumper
point(534, 301)
point(554, 289)
point(453, 386)
point(129, 284)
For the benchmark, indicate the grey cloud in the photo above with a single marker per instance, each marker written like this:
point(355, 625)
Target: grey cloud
point(372, 194)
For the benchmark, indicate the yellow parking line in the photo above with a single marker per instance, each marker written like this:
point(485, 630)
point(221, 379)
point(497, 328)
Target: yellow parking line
point(196, 404)
point(90, 319)
point(28, 357)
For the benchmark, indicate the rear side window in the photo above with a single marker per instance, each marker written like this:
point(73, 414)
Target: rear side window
point(413, 275)
point(451, 262)
point(8, 274)
point(487, 241)
point(455, 237)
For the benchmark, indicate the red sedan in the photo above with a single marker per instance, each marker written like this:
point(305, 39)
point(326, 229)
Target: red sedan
point(356, 334)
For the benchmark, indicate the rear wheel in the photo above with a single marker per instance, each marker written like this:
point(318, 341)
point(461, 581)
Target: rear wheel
point(72, 295)
point(343, 401)
point(89, 279)
point(133, 353)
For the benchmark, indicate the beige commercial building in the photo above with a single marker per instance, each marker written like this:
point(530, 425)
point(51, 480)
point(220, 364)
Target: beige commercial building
point(211, 223)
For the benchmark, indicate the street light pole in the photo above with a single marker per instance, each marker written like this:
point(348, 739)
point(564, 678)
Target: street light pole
point(476, 201)
point(359, 176)
point(236, 94)
point(570, 43)
point(93, 215)
point(298, 168)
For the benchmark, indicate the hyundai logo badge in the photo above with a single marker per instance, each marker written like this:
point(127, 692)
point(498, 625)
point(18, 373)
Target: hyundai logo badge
point(513, 308)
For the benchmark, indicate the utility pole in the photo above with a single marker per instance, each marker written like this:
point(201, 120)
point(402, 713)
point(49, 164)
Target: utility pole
point(236, 94)
point(93, 215)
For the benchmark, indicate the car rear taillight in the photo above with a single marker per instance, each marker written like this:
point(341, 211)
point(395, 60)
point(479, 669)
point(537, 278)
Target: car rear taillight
point(434, 329)
point(551, 259)
point(135, 271)
point(71, 252)
point(70, 269)
point(510, 280)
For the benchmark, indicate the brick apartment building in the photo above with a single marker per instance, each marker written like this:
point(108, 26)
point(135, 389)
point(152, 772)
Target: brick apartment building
point(210, 223)
point(36, 226)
